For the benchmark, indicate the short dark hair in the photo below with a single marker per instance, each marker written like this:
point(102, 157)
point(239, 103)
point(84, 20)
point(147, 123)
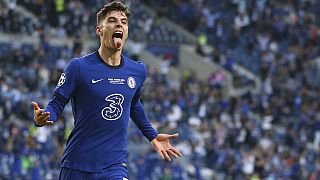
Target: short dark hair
point(113, 6)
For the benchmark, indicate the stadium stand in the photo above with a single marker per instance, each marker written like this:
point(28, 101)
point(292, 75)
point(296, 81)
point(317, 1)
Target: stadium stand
point(273, 133)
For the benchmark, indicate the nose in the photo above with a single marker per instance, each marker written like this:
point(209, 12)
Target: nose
point(118, 24)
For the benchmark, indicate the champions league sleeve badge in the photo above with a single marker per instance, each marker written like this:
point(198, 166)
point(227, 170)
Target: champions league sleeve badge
point(61, 80)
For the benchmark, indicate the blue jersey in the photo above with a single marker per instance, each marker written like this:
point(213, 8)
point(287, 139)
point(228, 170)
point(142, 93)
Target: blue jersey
point(103, 98)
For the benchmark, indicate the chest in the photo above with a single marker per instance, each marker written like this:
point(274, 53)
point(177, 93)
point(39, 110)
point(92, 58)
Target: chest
point(102, 84)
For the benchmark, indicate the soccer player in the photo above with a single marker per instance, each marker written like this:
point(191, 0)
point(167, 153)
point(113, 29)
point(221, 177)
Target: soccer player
point(104, 88)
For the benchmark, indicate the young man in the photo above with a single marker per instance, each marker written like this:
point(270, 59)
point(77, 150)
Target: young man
point(104, 88)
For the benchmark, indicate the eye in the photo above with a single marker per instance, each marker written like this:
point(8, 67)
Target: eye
point(111, 20)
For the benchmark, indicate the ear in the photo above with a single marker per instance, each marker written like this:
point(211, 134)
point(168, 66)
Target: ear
point(98, 30)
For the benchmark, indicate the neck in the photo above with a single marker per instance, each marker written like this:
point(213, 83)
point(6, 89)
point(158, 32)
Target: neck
point(111, 57)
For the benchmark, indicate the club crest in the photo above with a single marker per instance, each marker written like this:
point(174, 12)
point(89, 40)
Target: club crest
point(131, 82)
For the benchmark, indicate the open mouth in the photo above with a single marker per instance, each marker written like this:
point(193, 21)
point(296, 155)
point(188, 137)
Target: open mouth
point(117, 39)
point(117, 34)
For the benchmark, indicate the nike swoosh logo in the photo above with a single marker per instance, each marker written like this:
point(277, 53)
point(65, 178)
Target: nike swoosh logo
point(95, 81)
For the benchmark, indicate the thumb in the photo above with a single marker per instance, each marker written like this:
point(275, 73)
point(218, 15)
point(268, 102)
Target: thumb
point(35, 105)
point(173, 135)
point(168, 136)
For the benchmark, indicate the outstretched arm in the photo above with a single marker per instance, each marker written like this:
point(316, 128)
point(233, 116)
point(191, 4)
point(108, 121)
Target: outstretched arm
point(63, 93)
point(160, 142)
point(50, 114)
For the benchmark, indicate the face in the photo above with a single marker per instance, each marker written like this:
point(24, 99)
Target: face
point(113, 30)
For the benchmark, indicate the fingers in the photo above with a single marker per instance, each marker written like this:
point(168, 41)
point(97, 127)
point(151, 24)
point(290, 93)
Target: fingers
point(165, 154)
point(171, 153)
point(44, 123)
point(162, 145)
point(38, 112)
point(160, 154)
point(176, 151)
point(49, 123)
point(35, 105)
point(42, 118)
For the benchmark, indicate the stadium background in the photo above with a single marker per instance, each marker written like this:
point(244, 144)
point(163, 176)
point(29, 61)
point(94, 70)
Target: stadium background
point(238, 79)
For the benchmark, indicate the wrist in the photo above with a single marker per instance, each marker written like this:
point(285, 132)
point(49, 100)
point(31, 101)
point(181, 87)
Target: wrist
point(154, 137)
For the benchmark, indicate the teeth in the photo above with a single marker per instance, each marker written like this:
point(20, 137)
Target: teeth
point(117, 34)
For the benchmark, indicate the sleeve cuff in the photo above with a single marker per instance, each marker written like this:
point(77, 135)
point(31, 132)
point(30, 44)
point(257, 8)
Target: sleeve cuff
point(152, 137)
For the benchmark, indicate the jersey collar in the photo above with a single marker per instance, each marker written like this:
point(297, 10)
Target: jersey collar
point(104, 63)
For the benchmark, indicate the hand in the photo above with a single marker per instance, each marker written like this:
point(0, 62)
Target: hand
point(40, 118)
point(162, 145)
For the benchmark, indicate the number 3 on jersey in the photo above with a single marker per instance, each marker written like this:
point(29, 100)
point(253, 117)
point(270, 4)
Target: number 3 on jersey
point(114, 109)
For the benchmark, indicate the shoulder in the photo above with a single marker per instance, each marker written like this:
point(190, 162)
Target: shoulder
point(86, 57)
point(83, 61)
point(73, 63)
point(138, 65)
point(77, 62)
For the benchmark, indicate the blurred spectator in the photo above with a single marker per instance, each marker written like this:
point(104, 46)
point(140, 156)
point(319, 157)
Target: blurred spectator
point(201, 42)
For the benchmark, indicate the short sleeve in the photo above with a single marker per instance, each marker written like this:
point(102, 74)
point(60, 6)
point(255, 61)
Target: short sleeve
point(68, 80)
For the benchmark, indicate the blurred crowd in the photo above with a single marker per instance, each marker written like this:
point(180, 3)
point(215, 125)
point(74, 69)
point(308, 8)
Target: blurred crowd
point(78, 18)
point(248, 31)
point(272, 134)
point(13, 22)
